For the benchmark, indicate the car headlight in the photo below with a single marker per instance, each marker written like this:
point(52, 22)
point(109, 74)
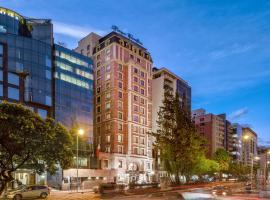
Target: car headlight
point(224, 193)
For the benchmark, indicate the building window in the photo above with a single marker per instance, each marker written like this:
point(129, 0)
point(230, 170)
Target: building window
point(108, 105)
point(108, 95)
point(138, 60)
point(142, 152)
point(142, 140)
point(1, 75)
point(42, 113)
point(108, 68)
point(1, 90)
point(120, 105)
point(142, 101)
point(135, 108)
point(120, 127)
point(98, 109)
point(98, 99)
point(48, 100)
point(108, 77)
point(108, 115)
point(120, 67)
point(106, 164)
point(48, 61)
point(142, 110)
point(98, 90)
point(13, 93)
point(107, 149)
point(136, 139)
point(142, 91)
point(135, 98)
point(135, 70)
point(98, 81)
point(98, 73)
point(120, 138)
point(135, 118)
point(120, 149)
point(13, 79)
point(98, 118)
point(88, 47)
point(142, 82)
point(120, 76)
point(108, 127)
point(108, 138)
point(120, 115)
point(48, 75)
point(142, 74)
point(135, 88)
point(108, 85)
point(120, 95)
point(120, 85)
point(135, 79)
point(120, 164)
point(135, 150)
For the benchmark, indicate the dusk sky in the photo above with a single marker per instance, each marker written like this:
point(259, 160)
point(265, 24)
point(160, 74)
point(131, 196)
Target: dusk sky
point(221, 48)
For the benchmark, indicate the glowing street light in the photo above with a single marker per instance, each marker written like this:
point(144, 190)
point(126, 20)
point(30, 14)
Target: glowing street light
point(246, 137)
point(80, 132)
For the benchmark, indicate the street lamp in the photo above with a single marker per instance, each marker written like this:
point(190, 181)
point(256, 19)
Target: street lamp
point(80, 132)
point(252, 164)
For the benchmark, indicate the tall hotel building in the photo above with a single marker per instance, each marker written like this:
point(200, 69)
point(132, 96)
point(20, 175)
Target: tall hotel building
point(123, 105)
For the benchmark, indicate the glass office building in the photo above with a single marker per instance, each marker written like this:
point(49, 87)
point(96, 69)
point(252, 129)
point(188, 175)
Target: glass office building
point(73, 89)
point(26, 61)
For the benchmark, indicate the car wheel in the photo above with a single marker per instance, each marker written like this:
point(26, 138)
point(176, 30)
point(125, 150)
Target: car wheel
point(43, 195)
point(17, 197)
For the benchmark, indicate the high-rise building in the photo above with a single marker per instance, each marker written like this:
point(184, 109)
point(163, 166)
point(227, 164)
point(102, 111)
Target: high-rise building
point(165, 79)
point(249, 145)
point(123, 106)
point(212, 127)
point(49, 79)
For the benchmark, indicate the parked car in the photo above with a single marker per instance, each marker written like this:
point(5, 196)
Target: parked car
point(221, 191)
point(34, 191)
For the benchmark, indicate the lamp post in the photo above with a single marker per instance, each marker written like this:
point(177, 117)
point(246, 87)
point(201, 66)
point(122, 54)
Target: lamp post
point(252, 166)
point(80, 132)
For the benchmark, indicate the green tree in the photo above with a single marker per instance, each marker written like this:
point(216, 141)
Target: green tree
point(176, 138)
point(223, 158)
point(204, 167)
point(239, 170)
point(28, 141)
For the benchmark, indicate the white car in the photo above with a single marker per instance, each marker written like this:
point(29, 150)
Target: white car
point(34, 191)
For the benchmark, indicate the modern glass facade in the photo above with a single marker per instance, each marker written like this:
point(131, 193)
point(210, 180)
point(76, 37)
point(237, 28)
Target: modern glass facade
point(25, 62)
point(184, 92)
point(73, 89)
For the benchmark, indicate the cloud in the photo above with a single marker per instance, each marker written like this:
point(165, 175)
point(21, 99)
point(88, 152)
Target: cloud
point(74, 31)
point(231, 50)
point(238, 113)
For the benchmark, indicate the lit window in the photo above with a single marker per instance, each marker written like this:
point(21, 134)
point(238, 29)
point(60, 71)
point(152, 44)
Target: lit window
point(108, 68)
point(13, 79)
point(108, 105)
point(13, 93)
point(108, 138)
point(120, 164)
point(106, 162)
point(108, 96)
point(48, 74)
point(48, 100)
point(108, 76)
point(120, 115)
point(108, 115)
point(120, 138)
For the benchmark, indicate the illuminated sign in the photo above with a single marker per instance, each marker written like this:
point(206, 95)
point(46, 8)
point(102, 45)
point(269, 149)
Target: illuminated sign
point(130, 36)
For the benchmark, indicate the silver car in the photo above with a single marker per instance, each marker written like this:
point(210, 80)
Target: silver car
point(35, 191)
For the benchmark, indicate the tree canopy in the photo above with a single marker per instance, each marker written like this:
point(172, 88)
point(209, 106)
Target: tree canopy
point(176, 138)
point(28, 141)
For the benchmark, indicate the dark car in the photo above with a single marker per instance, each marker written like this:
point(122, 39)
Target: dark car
point(221, 191)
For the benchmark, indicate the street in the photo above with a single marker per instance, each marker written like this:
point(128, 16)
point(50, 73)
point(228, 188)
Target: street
point(189, 193)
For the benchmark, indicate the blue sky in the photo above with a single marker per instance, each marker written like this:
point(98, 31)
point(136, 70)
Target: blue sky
point(222, 48)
